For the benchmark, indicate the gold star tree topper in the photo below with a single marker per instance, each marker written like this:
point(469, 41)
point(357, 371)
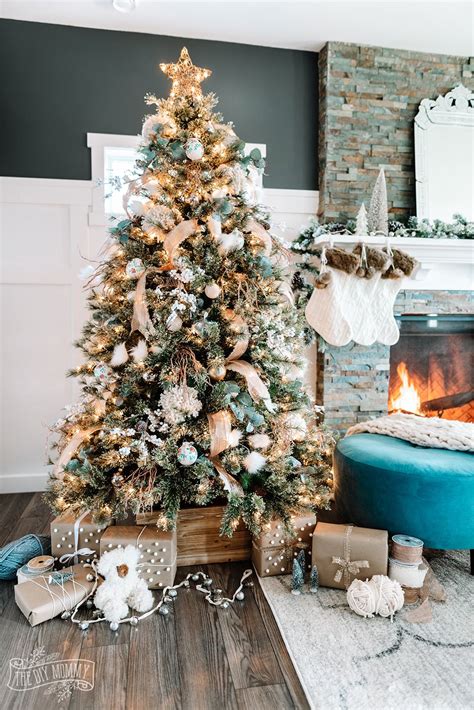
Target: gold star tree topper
point(185, 76)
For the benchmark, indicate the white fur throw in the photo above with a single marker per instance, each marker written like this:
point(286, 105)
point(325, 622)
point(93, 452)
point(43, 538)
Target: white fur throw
point(431, 432)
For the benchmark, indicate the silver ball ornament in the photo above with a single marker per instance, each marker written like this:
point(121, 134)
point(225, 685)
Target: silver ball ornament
point(84, 625)
point(114, 626)
point(163, 610)
point(90, 577)
point(173, 592)
point(133, 621)
point(65, 615)
point(195, 578)
point(207, 582)
point(89, 603)
point(225, 605)
point(240, 596)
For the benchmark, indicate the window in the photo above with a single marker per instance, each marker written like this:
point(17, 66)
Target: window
point(114, 156)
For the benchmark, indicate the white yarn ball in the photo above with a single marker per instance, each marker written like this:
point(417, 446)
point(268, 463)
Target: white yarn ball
point(379, 595)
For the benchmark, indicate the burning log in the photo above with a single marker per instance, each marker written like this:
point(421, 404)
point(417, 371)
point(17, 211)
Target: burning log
point(450, 401)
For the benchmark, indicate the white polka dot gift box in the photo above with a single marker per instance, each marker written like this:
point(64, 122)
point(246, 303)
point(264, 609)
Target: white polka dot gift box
point(157, 562)
point(75, 539)
point(274, 549)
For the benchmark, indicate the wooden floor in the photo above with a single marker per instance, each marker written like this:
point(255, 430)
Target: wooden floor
point(198, 658)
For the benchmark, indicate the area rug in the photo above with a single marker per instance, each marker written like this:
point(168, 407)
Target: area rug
point(346, 662)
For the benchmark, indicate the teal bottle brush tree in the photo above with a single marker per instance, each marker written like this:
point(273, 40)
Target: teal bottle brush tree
point(191, 379)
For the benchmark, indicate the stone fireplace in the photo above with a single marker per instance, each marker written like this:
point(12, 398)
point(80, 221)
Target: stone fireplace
point(355, 383)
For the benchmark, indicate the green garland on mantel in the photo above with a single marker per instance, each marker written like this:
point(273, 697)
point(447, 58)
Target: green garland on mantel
point(460, 228)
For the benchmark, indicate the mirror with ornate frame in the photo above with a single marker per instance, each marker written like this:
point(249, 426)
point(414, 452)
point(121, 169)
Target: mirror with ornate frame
point(444, 156)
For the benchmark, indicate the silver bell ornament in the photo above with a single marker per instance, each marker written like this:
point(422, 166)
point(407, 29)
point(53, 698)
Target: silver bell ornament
point(84, 625)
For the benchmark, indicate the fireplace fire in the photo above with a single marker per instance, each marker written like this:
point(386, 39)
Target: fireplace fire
point(432, 366)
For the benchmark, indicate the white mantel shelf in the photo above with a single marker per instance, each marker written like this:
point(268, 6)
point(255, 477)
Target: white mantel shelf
point(445, 264)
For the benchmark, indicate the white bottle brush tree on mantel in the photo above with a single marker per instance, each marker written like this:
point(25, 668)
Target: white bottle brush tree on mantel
point(191, 387)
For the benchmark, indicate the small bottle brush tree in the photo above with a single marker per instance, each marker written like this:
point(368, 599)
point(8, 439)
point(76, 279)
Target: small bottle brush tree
point(190, 389)
point(297, 575)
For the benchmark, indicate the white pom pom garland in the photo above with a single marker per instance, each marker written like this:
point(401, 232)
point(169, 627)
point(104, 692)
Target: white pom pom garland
point(379, 595)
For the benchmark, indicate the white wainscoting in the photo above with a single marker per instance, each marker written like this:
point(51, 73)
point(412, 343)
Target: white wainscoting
point(46, 238)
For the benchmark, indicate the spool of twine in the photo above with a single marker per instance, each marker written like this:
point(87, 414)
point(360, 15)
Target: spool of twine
point(406, 549)
point(42, 563)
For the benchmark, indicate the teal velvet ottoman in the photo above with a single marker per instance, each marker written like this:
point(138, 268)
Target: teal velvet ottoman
point(383, 482)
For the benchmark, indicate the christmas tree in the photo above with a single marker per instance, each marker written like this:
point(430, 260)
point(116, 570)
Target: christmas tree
point(193, 351)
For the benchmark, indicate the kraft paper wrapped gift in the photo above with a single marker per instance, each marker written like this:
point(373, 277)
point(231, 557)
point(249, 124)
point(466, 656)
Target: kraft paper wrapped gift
point(344, 552)
point(76, 538)
point(158, 550)
point(40, 600)
point(273, 550)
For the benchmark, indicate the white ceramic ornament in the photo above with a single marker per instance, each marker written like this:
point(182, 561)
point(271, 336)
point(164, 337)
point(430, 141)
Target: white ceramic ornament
point(212, 290)
point(194, 149)
point(134, 269)
point(187, 454)
point(102, 371)
point(174, 323)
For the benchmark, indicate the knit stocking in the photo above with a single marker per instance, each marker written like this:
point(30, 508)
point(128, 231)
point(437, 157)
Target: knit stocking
point(384, 321)
point(358, 309)
point(324, 311)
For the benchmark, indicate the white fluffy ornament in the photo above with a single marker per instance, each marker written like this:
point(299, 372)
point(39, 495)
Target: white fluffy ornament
point(134, 269)
point(254, 461)
point(296, 424)
point(212, 290)
point(194, 149)
point(187, 454)
point(230, 242)
point(140, 351)
point(119, 355)
point(259, 441)
point(234, 438)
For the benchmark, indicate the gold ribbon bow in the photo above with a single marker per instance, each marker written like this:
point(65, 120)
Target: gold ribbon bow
point(348, 567)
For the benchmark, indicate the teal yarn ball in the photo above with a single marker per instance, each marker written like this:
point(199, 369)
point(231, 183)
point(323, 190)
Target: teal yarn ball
point(18, 552)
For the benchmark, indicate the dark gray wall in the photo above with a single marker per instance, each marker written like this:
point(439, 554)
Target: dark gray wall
point(58, 83)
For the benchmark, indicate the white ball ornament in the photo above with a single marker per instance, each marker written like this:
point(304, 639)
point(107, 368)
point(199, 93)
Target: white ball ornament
point(212, 290)
point(194, 149)
point(134, 268)
point(187, 454)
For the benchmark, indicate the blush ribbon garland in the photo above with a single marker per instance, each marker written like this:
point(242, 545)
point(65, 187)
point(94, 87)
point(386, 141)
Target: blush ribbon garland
point(69, 449)
point(141, 320)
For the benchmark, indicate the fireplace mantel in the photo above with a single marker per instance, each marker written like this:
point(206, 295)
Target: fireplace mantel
point(445, 264)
